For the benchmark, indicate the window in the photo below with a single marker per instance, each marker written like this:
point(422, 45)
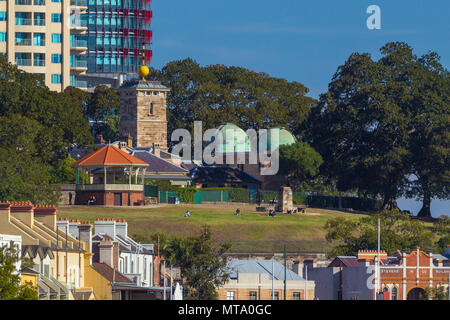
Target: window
point(56, 58)
point(253, 295)
point(150, 109)
point(39, 59)
point(22, 19)
point(230, 295)
point(23, 59)
point(296, 296)
point(39, 39)
point(3, 16)
point(3, 36)
point(39, 19)
point(56, 17)
point(394, 293)
point(39, 2)
point(276, 296)
point(56, 37)
point(56, 0)
point(56, 78)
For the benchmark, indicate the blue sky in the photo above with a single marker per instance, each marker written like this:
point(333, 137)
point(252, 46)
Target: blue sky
point(299, 40)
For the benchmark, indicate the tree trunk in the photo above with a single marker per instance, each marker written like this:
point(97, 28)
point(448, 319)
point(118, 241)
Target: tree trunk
point(426, 207)
point(390, 203)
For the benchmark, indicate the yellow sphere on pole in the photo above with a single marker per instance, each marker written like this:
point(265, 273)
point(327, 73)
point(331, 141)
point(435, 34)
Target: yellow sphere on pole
point(143, 71)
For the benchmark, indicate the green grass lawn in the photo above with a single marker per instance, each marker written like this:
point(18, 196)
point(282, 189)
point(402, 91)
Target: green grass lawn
point(250, 232)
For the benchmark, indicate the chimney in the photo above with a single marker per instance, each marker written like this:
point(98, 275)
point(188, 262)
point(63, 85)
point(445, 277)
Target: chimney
point(73, 228)
point(297, 267)
point(5, 213)
point(46, 214)
point(122, 228)
point(106, 252)
point(63, 225)
point(24, 212)
point(107, 227)
point(100, 139)
point(85, 235)
point(156, 149)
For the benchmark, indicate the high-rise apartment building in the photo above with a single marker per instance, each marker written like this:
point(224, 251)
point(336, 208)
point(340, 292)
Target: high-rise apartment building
point(67, 40)
point(117, 29)
point(45, 37)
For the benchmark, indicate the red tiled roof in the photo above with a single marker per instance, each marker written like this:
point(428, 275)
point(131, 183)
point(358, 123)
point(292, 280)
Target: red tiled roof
point(109, 155)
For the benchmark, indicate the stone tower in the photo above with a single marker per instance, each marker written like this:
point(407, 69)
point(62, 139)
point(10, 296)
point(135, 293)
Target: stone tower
point(143, 113)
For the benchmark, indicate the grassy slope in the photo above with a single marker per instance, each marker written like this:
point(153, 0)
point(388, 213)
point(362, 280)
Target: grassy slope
point(248, 233)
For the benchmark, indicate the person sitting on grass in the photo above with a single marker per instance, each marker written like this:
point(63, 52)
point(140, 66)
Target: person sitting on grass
point(187, 213)
point(238, 212)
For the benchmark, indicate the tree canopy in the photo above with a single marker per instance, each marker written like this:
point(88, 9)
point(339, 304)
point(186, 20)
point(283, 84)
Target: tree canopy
point(37, 129)
point(217, 94)
point(381, 122)
point(203, 267)
point(398, 232)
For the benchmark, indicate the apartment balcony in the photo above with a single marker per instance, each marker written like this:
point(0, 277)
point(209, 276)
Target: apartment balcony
point(24, 2)
point(23, 42)
point(39, 63)
point(24, 22)
point(79, 84)
point(78, 66)
point(78, 26)
point(78, 45)
point(23, 62)
point(78, 5)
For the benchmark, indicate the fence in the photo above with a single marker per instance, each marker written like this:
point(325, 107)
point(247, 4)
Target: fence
point(198, 196)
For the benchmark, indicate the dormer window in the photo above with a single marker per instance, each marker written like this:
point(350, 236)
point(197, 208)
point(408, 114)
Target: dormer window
point(150, 109)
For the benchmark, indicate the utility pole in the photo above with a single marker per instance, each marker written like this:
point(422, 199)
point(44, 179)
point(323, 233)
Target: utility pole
point(306, 282)
point(273, 275)
point(171, 282)
point(377, 289)
point(164, 280)
point(285, 272)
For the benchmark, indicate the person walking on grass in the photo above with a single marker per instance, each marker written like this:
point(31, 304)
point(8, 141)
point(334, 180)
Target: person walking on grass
point(238, 212)
point(187, 213)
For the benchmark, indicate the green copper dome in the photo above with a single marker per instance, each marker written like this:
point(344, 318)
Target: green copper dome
point(239, 141)
point(285, 138)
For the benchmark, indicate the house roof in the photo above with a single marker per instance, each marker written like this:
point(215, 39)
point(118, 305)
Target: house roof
point(222, 174)
point(145, 85)
point(257, 266)
point(158, 164)
point(345, 261)
point(109, 156)
point(109, 273)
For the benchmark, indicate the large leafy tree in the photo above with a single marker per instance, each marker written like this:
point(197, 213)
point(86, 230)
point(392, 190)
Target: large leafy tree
point(300, 163)
point(38, 127)
point(217, 94)
point(103, 108)
point(203, 267)
point(430, 138)
point(10, 284)
point(398, 232)
point(365, 125)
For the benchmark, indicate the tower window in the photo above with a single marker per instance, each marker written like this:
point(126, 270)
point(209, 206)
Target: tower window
point(150, 109)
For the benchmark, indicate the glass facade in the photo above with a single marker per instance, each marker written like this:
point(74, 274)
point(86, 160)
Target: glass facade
point(117, 29)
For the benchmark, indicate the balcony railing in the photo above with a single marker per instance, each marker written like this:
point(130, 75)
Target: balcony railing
point(78, 24)
point(78, 64)
point(24, 2)
point(39, 22)
point(39, 2)
point(39, 63)
point(79, 84)
point(23, 42)
point(78, 3)
point(78, 43)
point(109, 187)
point(24, 22)
point(23, 62)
